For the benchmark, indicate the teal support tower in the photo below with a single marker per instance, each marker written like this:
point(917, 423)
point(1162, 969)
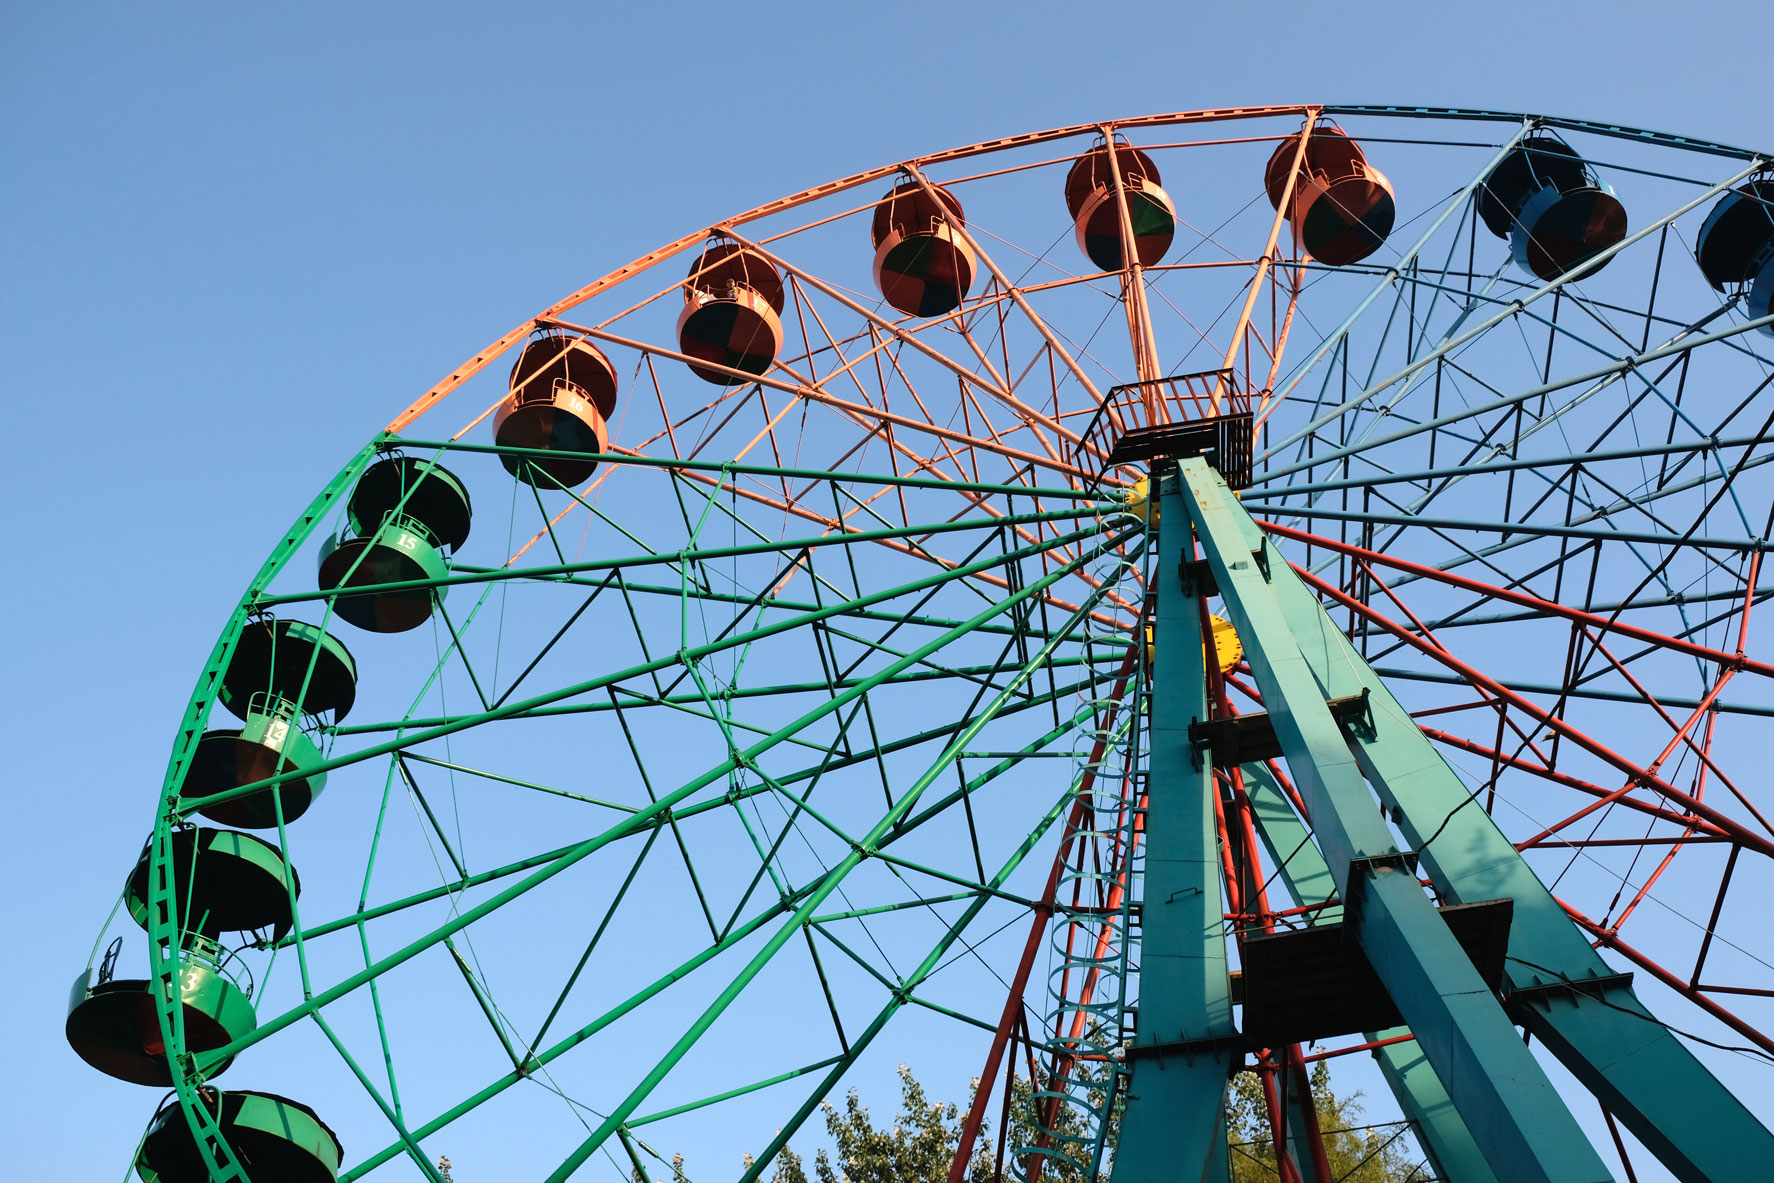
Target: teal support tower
point(1467, 967)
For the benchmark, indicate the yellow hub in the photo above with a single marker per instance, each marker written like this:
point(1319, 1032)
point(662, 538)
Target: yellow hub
point(1227, 647)
point(1140, 503)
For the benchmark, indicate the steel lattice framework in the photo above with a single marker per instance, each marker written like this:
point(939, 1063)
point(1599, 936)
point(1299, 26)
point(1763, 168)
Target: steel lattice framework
point(866, 693)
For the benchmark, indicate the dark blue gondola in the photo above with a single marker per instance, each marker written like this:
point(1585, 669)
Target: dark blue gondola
point(1736, 247)
point(1557, 214)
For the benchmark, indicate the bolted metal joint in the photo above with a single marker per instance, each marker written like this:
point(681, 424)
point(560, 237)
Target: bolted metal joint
point(1541, 994)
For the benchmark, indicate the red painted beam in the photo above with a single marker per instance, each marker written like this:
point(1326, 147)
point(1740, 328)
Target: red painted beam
point(1013, 1001)
point(1522, 599)
point(1613, 941)
point(1570, 782)
point(1735, 828)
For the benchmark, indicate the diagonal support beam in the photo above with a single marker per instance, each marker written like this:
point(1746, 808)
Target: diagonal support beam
point(1515, 1114)
point(1597, 1028)
point(1440, 1130)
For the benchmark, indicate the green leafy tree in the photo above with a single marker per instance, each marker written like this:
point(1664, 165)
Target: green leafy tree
point(1355, 1152)
point(677, 1170)
point(921, 1142)
point(917, 1149)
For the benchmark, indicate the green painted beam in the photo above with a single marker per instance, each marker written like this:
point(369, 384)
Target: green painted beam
point(1301, 868)
point(736, 1092)
point(643, 701)
point(561, 1047)
point(863, 849)
point(730, 467)
point(684, 811)
point(1515, 1114)
point(766, 1158)
point(1440, 1130)
point(686, 968)
point(638, 821)
point(1633, 1064)
point(1424, 1099)
point(1184, 1051)
point(464, 573)
point(696, 652)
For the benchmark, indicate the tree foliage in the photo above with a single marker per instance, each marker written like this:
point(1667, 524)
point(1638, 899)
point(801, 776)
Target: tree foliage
point(921, 1142)
point(917, 1149)
point(1355, 1153)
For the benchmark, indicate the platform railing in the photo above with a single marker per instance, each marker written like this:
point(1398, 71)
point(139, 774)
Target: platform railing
point(1211, 401)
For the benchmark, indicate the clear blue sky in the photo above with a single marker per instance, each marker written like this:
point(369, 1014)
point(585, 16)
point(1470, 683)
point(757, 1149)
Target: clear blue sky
point(238, 238)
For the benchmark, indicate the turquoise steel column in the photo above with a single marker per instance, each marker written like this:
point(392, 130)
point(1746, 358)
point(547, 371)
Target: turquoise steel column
point(1174, 1125)
point(1440, 1131)
point(1607, 1039)
point(1514, 1113)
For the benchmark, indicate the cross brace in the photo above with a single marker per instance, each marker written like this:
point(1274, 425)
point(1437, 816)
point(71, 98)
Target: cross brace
point(1251, 738)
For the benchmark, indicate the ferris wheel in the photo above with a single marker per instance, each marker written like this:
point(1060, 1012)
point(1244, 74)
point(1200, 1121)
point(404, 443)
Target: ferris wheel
point(1125, 604)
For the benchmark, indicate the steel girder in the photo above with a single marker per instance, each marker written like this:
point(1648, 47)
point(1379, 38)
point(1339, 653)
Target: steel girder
point(1440, 1130)
point(1185, 1048)
point(1513, 1111)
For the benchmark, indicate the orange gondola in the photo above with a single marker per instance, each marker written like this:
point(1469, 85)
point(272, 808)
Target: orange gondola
point(1096, 210)
point(732, 314)
point(563, 392)
point(922, 266)
point(1342, 207)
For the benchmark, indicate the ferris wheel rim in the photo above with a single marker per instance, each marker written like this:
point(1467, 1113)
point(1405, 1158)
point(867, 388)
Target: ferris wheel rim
point(553, 317)
point(555, 311)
